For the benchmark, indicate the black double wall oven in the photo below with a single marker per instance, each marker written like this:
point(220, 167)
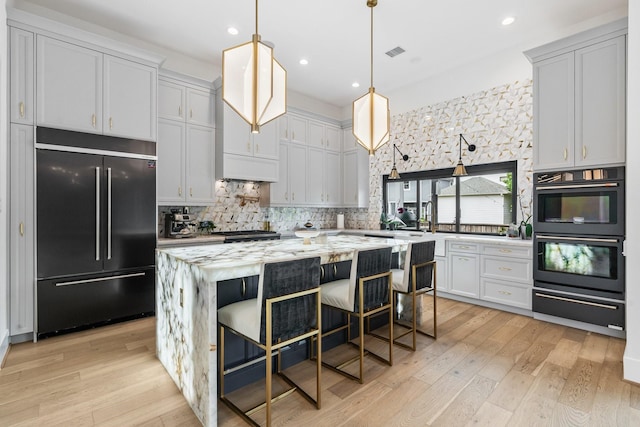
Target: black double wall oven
point(579, 231)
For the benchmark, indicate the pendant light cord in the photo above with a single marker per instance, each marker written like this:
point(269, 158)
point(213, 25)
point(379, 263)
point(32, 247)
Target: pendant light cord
point(371, 45)
point(257, 17)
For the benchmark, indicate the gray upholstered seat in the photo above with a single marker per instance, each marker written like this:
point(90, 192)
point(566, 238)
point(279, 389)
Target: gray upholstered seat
point(367, 291)
point(286, 310)
point(416, 278)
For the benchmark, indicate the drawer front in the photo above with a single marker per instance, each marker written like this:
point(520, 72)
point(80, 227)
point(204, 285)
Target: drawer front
point(505, 293)
point(463, 247)
point(514, 269)
point(508, 250)
point(579, 307)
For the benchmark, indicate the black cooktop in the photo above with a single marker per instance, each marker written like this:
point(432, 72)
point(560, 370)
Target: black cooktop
point(246, 235)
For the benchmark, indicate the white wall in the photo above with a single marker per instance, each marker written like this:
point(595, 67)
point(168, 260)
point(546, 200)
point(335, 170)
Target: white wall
point(4, 191)
point(632, 351)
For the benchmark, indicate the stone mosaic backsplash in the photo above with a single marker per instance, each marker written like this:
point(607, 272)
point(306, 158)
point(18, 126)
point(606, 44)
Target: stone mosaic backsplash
point(498, 120)
point(228, 215)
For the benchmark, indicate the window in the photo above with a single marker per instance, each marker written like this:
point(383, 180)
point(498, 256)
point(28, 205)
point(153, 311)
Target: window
point(481, 202)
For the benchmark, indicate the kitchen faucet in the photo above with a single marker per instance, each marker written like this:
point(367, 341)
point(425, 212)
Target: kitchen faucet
point(432, 215)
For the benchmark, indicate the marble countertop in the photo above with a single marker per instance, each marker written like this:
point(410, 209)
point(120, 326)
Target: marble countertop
point(228, 261)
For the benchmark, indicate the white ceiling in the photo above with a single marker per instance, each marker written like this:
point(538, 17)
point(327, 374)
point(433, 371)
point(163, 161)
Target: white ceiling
point(334, 34)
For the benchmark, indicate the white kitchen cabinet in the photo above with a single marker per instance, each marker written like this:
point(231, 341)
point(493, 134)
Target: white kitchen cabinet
point(579, 100)
point(323, 177)
point(22, 71)
point(324, 135)
point(442, 277)
point(185, 163)
point(69, 86)
point(291, 187)
point(200, 155)
point(85, 90)
point(200, 107)
point(240, 153)
point(355, 173)
point(293, 128)
point(186, 150)
point(170, 150)
point(464, 271)
point(21, 229)
point(172, 97)
point(129, 99)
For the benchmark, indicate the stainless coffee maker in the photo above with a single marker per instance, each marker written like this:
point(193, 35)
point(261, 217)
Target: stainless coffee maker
point(179, 225)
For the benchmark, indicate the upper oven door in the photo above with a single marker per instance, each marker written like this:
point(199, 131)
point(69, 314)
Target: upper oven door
point(595, 208)
point(587, 262)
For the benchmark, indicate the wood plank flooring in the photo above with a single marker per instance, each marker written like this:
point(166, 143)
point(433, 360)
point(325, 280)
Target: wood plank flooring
point(487, 368)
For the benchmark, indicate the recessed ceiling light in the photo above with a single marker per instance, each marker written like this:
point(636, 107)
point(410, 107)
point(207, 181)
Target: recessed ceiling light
point(355, 84)
point(303, 62)
point(233, 31)
point(508, 20)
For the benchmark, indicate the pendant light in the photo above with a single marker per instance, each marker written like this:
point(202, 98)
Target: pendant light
point(394, 172)
point(254, 84)
point(460, 170)
point(371, 116)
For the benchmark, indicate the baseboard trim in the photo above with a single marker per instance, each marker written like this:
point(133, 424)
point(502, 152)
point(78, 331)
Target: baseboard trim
point(631, 368)
point(4, 348)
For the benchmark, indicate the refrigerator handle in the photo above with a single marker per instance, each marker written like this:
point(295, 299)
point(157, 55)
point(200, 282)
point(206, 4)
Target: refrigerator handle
point(108, 213)
point(97, 213)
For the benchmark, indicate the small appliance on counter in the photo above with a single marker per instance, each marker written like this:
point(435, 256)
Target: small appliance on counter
point(179, 225)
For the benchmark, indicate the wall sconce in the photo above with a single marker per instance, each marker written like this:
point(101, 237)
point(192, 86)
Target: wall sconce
point(394, 172)
point(460, 170)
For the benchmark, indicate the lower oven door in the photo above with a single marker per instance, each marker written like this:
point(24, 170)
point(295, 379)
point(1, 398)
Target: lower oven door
point(584, 262)
point(596, 311)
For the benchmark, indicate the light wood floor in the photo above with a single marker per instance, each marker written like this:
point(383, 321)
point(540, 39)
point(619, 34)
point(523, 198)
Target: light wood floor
point(486, 368)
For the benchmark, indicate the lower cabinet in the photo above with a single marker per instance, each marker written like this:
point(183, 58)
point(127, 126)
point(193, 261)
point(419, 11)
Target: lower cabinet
point(493, 272)
point(464, 274)
point(21, 229)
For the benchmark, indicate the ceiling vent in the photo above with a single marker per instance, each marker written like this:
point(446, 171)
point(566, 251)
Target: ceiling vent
point(395, 51)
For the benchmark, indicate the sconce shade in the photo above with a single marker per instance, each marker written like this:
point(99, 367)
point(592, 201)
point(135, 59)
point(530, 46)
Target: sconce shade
point(394, 173)
point(371, 119)
point(460, 170)
point(254, 84)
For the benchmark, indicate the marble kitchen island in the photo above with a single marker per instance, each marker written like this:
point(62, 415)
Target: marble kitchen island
point(186, 312)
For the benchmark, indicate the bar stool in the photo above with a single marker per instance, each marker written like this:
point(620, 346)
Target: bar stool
point(367, 292)
point(287, 310)
point(416, 278)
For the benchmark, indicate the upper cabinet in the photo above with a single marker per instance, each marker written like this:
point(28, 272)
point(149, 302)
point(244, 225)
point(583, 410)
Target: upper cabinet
point(355, 172)
point(85, 90)
point(22, 70)
point(293, 128)
point(186, 148)
point(323, 135)
point(241, 154)
point(579, 100)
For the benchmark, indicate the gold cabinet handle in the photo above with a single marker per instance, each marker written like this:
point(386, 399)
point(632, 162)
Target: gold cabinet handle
point(463, 247)
point(505, 251)
point(191, 113)
point(180, 110)
point(93, 120)
point(179, 191)
point(286, 195)
point(190, 191)
point(110, 123)
point(21, 228)
point(504, 268)
point(257, 148)
point(584, 152)
point(293, 196)
point(504, 292)
point(22, 109)
point(293, 135)
point(565, 154)
point(248, 146)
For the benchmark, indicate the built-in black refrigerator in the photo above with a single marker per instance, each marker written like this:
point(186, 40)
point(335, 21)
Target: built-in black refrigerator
point(96, 230)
